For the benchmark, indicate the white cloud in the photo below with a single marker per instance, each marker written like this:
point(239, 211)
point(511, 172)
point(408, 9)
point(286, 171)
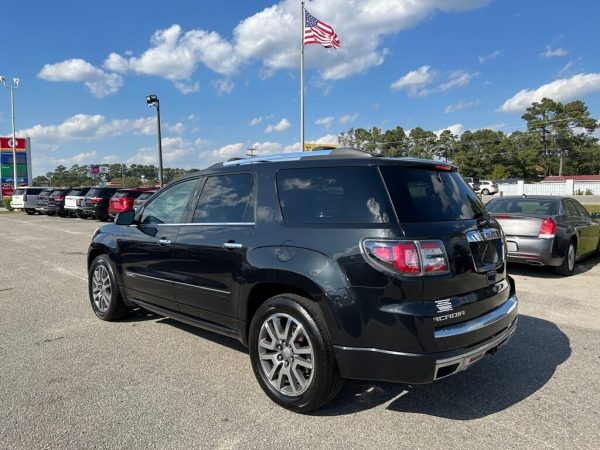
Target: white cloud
point(223, 86)
point(174, 149)
point(565, 89)
point(327, 139)
point(414, 80)
point(175, 54)
point(325, 121)
point(348, 118)
point(83, 127)
point(98, 82)
point(460, 105)
point(486, 58)
point(553, 53)
point(282, 125)
point(257, 120)
point(419, 82)
point(187, 88)
point(177, 128)
point(456, 129)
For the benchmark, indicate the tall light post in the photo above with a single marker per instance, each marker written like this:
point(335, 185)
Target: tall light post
point(152, 100)
point(12, 87)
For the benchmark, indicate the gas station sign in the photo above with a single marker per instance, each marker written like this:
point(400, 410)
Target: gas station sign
point(23, 162)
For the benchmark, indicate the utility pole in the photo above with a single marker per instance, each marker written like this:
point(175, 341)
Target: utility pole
point(251, 151)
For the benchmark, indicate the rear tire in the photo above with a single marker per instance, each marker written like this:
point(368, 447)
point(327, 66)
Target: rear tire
point(104, 292)
point(292, 355)
point(568, 265)
point(30, 212)
point(485, 192)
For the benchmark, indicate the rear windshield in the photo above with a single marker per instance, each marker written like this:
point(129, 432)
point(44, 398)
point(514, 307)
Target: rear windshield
point(74, 192)
point(55, 193)
point(20, 192)
point(523, 206)
point(333, 195)
point(44, 192)
point(93, 193)
point(145, 195)
point(126, 194)
point(424, 195)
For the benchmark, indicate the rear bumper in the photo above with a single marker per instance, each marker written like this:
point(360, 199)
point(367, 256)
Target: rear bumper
point(532, 250)
point(387, 365)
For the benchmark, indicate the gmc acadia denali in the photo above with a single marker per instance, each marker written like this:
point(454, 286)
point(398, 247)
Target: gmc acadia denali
point(328, 265)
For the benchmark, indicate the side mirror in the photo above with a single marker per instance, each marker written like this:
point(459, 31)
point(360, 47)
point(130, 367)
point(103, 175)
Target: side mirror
point(125, 218)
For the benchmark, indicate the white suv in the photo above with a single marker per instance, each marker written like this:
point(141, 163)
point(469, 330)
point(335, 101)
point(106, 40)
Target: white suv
point(487, 187)
point(25, 198)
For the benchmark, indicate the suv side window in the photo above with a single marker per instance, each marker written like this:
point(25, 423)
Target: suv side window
point(226, 199)
point(170, 205)
point(333, 195)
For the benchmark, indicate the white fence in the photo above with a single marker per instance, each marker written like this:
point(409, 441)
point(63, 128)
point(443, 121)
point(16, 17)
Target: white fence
point(569, 187)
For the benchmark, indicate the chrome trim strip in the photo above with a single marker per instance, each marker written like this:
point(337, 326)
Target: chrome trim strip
point(377, 350)
point(463, 360)
point(485, 234)
point(480, 322)
point(222, 224)
point(134, 275)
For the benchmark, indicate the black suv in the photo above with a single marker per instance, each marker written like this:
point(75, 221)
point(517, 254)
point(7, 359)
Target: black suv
point(96, 201)
point(327, 265)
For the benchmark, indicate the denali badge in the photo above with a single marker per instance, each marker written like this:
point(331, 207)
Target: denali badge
point(449, 316)
point(443, 305)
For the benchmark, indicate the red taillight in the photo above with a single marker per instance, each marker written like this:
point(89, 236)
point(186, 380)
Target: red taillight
point(443, 167)
point(59, 198)
point(409, 257)
point(548, 229)
point(96, 199)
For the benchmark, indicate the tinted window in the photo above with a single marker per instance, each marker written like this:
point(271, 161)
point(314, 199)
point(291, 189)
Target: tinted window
point(170, 205)
point(333, 195)
point(226, 199)
point(93, 193)
point(523, 206)
point(54, 193)
point(73, 192)
point(581, 210)
point(44, 192)
point(424, 195)
point(126, 194)
point(20, 192)
point(571, 208)
point(145, 195)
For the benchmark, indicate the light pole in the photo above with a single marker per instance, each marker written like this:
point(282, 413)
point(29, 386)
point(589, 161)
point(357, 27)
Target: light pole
point(12, 87)
point(152, 100)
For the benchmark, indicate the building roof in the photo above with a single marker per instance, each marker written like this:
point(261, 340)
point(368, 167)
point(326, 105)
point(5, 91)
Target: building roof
point(555, 179)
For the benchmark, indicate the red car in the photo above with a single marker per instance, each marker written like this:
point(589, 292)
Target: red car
point(123, 199)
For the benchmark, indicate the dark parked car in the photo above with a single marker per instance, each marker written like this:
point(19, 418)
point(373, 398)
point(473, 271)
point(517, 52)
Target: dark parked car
point(56, 202)
point(96, 203)
point(41, 205)
point(142, 198)
point(123, 200)
point(546, 230)
point(328, 265)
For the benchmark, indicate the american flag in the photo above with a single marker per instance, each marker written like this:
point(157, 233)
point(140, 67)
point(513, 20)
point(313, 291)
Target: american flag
point(317, 32)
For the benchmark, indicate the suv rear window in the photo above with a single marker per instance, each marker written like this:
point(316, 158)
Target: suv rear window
point(93, 193)
point(20, 192)
point(523, 206)
point(126, 194)
point(333, 195)
point(425, 195)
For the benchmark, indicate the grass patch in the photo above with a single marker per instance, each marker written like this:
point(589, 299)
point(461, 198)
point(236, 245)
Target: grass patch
point(592, 208)
point(10, 212)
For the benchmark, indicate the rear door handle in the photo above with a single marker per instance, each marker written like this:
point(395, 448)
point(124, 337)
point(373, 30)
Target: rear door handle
point(164, 241)
point(232, 245)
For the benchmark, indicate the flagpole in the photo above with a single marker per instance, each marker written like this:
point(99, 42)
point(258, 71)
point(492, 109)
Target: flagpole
point(302, 20)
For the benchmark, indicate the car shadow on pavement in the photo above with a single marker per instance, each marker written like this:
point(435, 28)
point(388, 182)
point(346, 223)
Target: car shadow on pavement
point(217, 338)
point(516, 372)
point(548, 272)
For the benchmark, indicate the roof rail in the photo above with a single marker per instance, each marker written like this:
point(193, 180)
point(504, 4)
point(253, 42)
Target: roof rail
point(296, 156)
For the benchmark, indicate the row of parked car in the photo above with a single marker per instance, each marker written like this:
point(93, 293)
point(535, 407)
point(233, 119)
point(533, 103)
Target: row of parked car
point(102, 203)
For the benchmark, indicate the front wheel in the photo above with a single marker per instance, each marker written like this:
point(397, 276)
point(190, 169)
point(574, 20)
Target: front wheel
point(485, 192)
point(292, 355)
point(104, 292)
point(568, 265)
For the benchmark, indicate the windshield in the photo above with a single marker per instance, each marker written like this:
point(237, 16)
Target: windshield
point(425, 195)
point(93, 193)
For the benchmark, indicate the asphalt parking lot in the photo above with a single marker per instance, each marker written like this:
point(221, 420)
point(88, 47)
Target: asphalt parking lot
point(68, 379)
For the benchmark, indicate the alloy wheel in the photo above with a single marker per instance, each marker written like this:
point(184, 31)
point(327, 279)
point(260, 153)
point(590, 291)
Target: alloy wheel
point(286, 354)
point(101, 288)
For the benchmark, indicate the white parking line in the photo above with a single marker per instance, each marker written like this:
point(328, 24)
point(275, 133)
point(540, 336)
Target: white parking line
point(52, 228)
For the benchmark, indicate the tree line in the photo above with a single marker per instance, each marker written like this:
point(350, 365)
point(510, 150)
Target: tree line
point(135, 175)
point(558, 139)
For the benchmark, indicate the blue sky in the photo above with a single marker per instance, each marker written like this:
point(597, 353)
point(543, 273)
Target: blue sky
point(227, 73)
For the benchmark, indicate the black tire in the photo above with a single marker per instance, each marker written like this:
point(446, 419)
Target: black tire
point(112, 307)
point(325, 382)
point(30, 212)
point(568, 265)
point(485, 192)
point(50, 214)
